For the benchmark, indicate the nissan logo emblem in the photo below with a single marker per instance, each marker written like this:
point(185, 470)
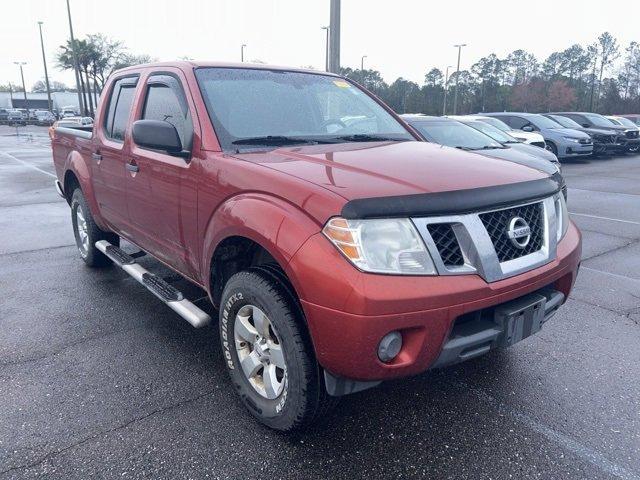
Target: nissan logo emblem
point(519, 232)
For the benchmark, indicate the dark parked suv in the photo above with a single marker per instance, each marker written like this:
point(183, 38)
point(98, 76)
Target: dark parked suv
point(605, 140)
point(627, 139)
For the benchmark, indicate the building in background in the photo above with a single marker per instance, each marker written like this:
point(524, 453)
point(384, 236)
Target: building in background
point(38, 101)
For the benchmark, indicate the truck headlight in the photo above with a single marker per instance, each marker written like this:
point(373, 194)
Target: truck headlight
point(381, 246)
point(562, 215)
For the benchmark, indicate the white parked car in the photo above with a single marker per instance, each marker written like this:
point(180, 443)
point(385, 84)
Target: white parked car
point(532, 138)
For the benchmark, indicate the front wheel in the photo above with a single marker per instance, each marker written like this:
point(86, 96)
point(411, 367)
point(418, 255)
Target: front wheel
point(551, 147)
point(268, 354)
point(87, 233)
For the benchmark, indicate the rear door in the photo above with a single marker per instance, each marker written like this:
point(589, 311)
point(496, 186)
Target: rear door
point(108, 158)
point(162, 191)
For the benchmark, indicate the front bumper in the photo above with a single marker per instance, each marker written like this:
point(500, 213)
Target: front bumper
point(609, 148)
point(348, 312)
point(575, 150)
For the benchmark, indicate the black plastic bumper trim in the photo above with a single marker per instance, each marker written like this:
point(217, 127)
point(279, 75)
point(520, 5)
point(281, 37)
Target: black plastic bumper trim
point(454, 202)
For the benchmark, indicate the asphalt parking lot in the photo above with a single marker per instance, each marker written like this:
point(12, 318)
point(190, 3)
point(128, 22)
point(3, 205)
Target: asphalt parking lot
point(97, 378)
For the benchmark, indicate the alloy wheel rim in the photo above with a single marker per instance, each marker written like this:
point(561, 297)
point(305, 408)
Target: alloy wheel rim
point(260, 352)
point(83, 235)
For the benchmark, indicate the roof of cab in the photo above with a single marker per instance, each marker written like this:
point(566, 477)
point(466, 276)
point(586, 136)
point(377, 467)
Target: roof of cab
point(188, 65)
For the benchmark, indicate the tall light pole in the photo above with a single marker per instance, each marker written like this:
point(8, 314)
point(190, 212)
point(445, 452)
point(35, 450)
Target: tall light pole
point(44, 62)
point(455, 95)
point(362, 62)
point(242, 52)
point(24, 87)
point(76, 66)
point(334, 39)
point(326, 49)
point(446, 89)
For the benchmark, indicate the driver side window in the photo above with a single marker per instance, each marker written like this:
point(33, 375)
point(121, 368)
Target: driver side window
point(166, 102)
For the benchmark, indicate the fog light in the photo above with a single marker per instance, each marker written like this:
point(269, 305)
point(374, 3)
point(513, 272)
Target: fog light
point(390, 346)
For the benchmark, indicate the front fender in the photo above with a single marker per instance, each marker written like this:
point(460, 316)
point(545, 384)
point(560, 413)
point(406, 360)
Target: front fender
point(275, 224)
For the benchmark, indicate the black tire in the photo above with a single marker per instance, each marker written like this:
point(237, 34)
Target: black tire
point(303, 399)
point(552, 148)
point(88, 251)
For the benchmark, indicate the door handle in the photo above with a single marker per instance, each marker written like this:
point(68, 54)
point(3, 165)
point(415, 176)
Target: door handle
point(96, 156)
point(132, 167)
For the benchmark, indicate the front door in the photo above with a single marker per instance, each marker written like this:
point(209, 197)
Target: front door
point(161, 188)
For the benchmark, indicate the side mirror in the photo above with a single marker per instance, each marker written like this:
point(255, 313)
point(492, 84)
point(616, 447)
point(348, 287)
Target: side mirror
point(527, 128)
point(158, 135)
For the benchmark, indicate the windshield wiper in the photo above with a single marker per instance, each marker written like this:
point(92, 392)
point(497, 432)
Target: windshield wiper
point(489, 147)
point(274, 140)
point(366, 137)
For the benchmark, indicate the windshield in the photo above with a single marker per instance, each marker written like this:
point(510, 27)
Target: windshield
point(255, 107)
point(599, 120)
point(626, 122)
point(497, 123)
point(455, 134)
point(565, 122)
point(542, 122)
point(492, 131)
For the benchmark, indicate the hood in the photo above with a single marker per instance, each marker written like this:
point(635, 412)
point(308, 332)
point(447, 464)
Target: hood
point(569, 132)
point(380, 169)
point(521, 158)
point(600, 131)
point(526, 136)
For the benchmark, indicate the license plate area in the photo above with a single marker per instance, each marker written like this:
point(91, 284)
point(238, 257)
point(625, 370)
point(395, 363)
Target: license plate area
point(520, 318)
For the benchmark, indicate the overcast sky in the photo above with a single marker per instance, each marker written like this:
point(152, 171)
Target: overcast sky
point(400, 38)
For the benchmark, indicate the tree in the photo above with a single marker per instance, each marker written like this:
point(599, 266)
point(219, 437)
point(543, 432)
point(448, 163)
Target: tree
point(104, 55)
point(527, 97)
point(39, 87)
point(521, 66)
point(57, 86)
point(560, 96)
point(609, 51)
point(128, 60)
point(370, 79)
point(434, 78)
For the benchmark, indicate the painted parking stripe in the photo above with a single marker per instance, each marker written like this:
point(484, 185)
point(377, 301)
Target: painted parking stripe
point(27, 164)
point(605, 218)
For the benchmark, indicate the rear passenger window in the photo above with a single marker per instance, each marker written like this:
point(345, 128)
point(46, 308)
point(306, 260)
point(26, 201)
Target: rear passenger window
point(119, 108)
point(166, 102)
point(517, 122)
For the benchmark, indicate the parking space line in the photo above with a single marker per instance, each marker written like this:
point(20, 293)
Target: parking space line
point(615, 275)
point(587, 454)
point(605, 218)
point(604, 191)
point(26, 164)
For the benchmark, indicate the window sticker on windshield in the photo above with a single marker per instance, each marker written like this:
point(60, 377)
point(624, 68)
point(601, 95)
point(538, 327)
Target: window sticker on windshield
point(341, 83)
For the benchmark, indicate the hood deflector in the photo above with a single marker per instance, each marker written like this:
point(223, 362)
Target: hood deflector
point(453, 202)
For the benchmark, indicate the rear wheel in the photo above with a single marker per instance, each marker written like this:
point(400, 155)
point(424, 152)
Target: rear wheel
point(87, 233)
point(268, 353)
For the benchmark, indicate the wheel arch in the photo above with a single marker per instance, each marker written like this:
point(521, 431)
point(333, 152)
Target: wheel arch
point(250, 230)
point(77, 174)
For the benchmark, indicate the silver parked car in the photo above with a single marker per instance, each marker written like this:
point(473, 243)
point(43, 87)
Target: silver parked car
point(452, 133)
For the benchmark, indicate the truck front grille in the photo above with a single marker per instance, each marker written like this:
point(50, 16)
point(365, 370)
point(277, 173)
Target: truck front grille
point(497, 224)
point(446, 243)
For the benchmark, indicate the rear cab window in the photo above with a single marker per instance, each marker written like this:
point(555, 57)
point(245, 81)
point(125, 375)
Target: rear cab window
point(119, 108)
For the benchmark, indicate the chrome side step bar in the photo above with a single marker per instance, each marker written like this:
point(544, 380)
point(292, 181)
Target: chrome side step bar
point(161, 289)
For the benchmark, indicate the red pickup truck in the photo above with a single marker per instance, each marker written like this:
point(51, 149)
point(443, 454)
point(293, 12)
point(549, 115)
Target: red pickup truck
point(339, 250)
